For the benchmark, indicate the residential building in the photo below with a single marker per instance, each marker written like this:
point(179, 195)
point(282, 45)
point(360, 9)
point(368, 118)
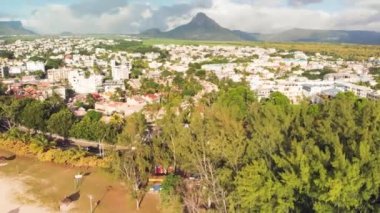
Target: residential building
point(33, 66)
point(58, 75)
point(82, 84)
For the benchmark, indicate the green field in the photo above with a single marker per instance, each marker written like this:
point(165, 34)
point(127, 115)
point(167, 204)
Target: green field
point(345, 51)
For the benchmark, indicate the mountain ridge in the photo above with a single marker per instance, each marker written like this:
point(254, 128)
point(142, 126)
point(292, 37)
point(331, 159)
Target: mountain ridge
point(201, 27)
point(13, 28)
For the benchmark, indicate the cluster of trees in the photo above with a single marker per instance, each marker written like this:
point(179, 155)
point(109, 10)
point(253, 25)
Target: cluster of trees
point(138, 66)
point(134, 46)
point(317, 73)
point(188, 86)
point(270, 156)
point(53, 116)
point(375, 71)
point(7, 54)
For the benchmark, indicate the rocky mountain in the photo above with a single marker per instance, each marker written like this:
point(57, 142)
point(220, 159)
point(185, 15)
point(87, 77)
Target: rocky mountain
point(201, 27)
point(13, 28)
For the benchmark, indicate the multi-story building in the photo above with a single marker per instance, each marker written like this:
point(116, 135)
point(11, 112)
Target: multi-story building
point(120, 72)
point(83, 84)
point(58, 75)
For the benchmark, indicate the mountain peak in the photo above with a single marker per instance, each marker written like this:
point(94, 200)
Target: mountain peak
point(201, 19)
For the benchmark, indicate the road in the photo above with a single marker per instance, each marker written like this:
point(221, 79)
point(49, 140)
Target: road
point(79, 142)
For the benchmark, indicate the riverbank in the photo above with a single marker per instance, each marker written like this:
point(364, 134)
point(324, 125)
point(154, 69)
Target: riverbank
point(34, 186)
point(71, 157)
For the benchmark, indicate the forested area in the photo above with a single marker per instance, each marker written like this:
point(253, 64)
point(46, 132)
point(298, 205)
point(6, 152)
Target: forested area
point(277, 157)
point(246, 156)
point(231, 153)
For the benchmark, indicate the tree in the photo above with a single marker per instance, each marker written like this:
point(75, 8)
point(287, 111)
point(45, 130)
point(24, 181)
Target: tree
point(237, 99)
point(136, 163)
point(90, 127)
point(60, 123)
point(118, 95)
point(135, 130)
point(278, 98)
point(35, 115)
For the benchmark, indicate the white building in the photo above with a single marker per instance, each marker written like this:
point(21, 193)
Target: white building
point(14, 70)
point(312, 88)
point(121, 72)
point(83, 85)
point(360, 91)
point(111, 86)
point(33, 66)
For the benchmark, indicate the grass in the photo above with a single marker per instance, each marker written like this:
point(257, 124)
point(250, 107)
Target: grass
point(345, 51)
point(50, 183)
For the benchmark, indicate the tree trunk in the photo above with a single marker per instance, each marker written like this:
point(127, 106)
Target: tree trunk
point(137, 204)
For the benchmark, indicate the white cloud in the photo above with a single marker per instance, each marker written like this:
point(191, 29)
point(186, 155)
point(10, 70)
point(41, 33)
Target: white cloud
point(147, 14)
point(264, 16)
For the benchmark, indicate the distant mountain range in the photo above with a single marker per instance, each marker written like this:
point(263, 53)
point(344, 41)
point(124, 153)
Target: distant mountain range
point(201, 27)
point(13, 28)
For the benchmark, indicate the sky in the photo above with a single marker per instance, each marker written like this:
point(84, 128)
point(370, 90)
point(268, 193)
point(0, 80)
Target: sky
point(134, 16)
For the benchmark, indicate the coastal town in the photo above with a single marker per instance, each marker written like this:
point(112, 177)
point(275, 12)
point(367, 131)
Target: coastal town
point(166, 120)
point(76, 67)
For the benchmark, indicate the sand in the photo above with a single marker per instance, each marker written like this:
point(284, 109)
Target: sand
point(12, 192)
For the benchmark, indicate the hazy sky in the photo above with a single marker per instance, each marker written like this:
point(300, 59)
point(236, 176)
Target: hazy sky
point(132, 16)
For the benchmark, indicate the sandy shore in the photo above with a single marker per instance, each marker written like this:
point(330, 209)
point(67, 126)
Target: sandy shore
point(11, 189)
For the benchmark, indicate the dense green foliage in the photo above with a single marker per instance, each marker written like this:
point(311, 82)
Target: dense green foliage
point(134, 46)
point(23, 144)
point(278, 157)
point(61, 122)
point(318, 73)
point(53, 63)
point(6, 54)
point(52, 116)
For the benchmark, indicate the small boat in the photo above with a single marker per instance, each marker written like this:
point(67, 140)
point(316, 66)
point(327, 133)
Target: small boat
point(3, 164)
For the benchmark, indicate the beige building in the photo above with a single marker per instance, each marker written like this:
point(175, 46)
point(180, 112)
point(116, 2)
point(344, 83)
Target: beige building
point(58, 75)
